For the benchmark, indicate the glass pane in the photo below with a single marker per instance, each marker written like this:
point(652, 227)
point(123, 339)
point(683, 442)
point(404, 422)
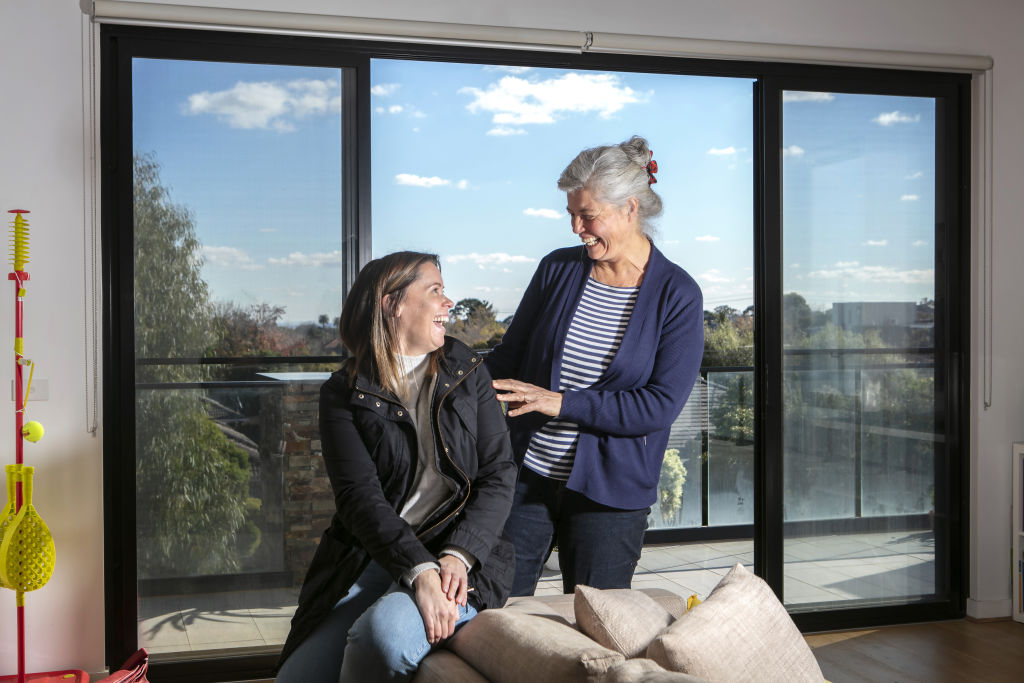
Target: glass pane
point(731, 448)
point(859, 431)
point(237, 195)
point(465, 164)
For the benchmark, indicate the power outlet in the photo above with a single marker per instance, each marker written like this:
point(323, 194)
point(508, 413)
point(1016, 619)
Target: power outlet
point(39, 391)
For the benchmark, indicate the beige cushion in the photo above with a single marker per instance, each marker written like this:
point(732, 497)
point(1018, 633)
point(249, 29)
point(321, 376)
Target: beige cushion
point(442, 666)
point(509, 645)
point(620, 619)
point(740, 633)
point(645, 671)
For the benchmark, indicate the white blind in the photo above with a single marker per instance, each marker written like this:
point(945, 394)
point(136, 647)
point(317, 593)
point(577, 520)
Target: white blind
point(313, 24)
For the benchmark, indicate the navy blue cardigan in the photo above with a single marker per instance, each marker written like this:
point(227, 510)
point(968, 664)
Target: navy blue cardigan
point(625, 418)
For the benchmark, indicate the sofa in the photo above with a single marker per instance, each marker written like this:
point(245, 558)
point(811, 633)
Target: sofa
point(741, 632)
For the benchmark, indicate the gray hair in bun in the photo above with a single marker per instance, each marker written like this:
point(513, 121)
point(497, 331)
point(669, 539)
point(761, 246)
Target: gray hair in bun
point(613, 174)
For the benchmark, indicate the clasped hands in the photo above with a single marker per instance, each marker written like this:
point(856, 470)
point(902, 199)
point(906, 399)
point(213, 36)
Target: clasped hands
point(438, 597)
point(523, 397)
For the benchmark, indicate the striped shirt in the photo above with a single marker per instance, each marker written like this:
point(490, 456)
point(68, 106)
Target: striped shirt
point(594, 336)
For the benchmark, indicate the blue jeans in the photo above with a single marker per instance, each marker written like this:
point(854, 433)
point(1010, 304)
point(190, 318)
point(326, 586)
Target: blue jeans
point(383, 629)
point(598, 546)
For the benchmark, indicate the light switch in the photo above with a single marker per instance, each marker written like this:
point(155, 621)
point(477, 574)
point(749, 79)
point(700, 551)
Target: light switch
point(39, 391)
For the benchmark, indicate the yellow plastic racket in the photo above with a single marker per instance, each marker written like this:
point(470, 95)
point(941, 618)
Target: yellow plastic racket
point(7, 514)
point(27, 552)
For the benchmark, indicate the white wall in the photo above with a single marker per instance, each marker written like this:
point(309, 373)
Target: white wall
point(41, 169)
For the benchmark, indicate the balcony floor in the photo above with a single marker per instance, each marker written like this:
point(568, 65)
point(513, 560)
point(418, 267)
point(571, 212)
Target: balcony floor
point(873, 568)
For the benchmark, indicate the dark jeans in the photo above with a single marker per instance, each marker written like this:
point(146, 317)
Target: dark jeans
point(598, 546)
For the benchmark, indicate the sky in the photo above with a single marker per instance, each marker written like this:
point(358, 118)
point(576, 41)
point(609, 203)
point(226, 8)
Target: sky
point(465, 160)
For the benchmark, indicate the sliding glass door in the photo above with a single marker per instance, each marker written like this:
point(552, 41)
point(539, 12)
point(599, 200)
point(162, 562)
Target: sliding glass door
point(865, 425)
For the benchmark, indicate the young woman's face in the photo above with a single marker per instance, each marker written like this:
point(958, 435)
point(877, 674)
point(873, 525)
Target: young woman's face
point(606, 230)
point(423, 313)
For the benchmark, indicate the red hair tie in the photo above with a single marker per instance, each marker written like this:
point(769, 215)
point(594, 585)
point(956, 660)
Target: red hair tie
point(652, 168)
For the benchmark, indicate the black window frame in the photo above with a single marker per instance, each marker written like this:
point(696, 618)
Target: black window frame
point(120, 44)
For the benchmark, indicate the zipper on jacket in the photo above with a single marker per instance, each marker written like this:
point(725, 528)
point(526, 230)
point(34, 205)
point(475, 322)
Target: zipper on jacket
point(440, 437)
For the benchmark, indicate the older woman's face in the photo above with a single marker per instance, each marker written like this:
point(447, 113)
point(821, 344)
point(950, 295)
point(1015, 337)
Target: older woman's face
point(605, 229)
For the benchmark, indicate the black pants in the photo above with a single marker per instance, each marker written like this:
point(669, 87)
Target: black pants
point(598, 546)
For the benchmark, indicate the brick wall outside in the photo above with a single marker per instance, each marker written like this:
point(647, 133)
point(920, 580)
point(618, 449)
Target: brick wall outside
point(308, 501)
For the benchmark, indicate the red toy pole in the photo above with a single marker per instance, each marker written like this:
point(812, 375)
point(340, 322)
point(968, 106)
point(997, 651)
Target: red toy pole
point(19, 276)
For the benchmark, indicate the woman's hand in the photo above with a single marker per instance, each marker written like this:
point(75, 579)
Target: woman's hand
point(454, 579)
point(523, 398)
point(438, 612)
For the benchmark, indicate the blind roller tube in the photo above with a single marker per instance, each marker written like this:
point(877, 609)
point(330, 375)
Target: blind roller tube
point(430, 32)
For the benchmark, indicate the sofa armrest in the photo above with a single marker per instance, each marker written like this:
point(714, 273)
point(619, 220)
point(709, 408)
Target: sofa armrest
point(444, 666)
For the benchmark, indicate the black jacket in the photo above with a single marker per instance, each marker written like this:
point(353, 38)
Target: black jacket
point(369, 449)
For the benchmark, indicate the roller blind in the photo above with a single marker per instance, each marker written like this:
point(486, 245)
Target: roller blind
point(579, 41)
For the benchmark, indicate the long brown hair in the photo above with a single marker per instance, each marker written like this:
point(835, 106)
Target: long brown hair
point(368, 332)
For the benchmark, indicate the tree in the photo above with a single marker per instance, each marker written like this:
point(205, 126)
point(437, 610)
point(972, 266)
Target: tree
point(670, 487)
point(191, 481)
point(796, 319)
point(172, 310)
point(248, 331)
point(473, 322)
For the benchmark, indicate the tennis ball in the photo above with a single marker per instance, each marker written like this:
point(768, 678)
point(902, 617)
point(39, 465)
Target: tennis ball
point(32, 431)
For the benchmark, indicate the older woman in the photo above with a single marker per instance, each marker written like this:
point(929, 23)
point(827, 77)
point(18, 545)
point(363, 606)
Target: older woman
point(419, 460)
point(596, 364)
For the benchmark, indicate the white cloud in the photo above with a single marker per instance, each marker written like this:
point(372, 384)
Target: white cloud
point(492, 260)
point(847, 264)
point(514, 101)
point(800, 96)
point(505, 131)
point(915, 175)
point(794, 265)
point(508, 69)
point(297, 258)
point(722, 151)
point(713, 275)
point(876, 274)
point(420, 181)
point(384, 89)
point(395, 109)
point(268, 105)
point(909, 197)
point(228, 257)
point(268, 229)
point(889, 118)
point(876, 243)
point(462, 185)
point(707, 238)
point(920, 243)
point(793, 151)
point(544, 213)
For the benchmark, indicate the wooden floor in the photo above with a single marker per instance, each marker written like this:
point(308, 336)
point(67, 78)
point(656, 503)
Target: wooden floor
point(936, 652)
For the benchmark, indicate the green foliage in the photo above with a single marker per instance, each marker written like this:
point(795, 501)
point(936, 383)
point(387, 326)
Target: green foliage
point(670, 486)
point(796, 319)
point(192, 489)
point(192, 483)
point(472, 321)
point(729, 343)
point(732, 412)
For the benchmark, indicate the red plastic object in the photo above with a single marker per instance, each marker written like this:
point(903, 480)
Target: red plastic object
point(67, 676)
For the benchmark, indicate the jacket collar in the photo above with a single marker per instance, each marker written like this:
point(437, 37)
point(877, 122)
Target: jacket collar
point(457, 361)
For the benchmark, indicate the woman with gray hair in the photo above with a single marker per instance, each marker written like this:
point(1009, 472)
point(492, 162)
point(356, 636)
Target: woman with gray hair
point(596, 364)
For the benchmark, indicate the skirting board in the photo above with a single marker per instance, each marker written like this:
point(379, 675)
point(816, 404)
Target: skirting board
point(988, 609)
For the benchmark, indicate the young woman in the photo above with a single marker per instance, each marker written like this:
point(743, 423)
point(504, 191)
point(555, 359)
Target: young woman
point(597, 363)
point(419, 459)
